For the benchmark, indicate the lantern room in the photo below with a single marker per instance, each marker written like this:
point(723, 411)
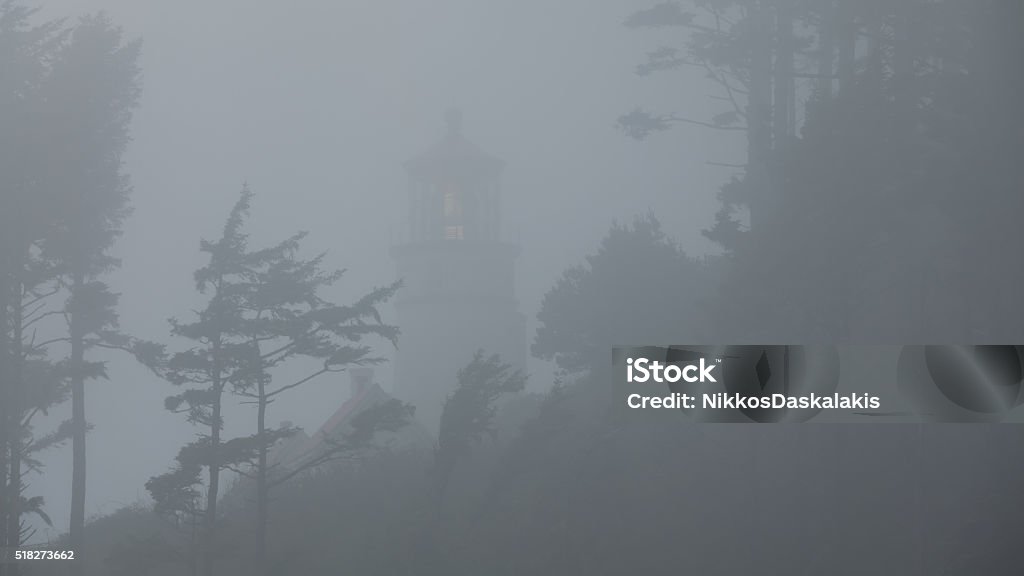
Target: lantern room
point(453, 190)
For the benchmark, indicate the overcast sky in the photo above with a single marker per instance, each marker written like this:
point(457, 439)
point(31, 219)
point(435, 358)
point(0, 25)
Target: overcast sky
point(316, 105)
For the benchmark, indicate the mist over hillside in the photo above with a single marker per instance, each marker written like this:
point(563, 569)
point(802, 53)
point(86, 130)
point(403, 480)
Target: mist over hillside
point(335, 288)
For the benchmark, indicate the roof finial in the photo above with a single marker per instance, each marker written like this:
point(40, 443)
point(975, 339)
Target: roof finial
point(453, 117)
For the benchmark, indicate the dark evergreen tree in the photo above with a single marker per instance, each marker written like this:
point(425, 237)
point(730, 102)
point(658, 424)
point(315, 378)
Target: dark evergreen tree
point(866, 123)
point(638, 287)
point(288, 324)
point(206, 370)
point(36, 385)
point(90, 94)
point(467, 422)
point(26, 279)
point(265, 312)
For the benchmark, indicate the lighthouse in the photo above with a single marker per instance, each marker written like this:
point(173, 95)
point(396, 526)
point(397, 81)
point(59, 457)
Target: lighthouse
point(458, 273)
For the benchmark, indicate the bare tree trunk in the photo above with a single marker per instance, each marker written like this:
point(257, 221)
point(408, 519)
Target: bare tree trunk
point(847, 44)
point(210, 518)
point(16, 399)
point(79, 426)
point(785, 89)
point(14, 500)
point(759, 114)
point(826, 49)
point(5, 405)
point(262, 489)
point(194, 542)
point(903, 54)
point(874, 23)
point(14, 518)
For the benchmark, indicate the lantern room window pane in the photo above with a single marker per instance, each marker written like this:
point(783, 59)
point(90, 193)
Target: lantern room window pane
point(452, 207)
point(453, 233)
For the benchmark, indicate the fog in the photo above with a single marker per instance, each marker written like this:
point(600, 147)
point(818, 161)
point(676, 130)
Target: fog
point(861, 228)
point(317, 108)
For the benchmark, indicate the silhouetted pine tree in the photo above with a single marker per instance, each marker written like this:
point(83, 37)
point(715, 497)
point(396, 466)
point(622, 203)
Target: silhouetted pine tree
point(26, 278)
point(206, 370)
point(90, 96)
point(467, 421)
point(287, 322)
point(265, 311)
